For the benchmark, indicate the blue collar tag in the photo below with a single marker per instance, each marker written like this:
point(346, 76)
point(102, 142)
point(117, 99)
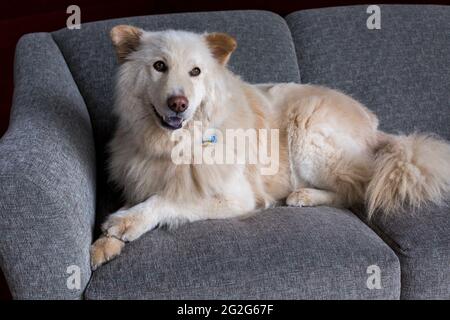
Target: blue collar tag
point(210, 139)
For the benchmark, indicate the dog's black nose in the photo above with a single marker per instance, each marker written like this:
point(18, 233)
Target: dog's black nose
point(178, 103)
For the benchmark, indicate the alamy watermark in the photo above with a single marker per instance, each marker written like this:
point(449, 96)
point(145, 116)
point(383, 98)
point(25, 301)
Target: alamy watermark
point(374, 279)
point(374, 20)
point(74, 20)
point(73, 281)
point(234, 146)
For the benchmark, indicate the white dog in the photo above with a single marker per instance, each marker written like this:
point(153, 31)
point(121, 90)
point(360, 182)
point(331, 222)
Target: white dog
point(330, 151)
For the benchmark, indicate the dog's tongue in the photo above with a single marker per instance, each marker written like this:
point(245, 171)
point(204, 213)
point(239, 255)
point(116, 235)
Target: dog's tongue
point(174, 122)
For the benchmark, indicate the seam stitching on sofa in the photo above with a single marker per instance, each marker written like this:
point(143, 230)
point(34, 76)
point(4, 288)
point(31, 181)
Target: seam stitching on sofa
point(294, 47)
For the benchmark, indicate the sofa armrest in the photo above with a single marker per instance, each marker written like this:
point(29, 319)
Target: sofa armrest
point(47, 178)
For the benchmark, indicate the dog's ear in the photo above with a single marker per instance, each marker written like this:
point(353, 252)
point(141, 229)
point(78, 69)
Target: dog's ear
point(126, 39)
point(221, 45)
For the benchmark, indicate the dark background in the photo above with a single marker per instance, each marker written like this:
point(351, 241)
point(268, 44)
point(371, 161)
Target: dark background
point(20, 17)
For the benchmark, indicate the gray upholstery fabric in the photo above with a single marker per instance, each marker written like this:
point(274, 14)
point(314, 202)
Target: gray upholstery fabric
point(283, 253)
point(400, 71)
point(403, 73)
point(422, 243)
point(92, 61)
point(47, 177)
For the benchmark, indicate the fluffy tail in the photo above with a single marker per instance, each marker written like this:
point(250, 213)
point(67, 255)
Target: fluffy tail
point(409, 171)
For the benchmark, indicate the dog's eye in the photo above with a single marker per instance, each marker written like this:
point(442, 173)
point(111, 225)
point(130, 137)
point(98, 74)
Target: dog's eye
point(160, 66)
point(194, 72)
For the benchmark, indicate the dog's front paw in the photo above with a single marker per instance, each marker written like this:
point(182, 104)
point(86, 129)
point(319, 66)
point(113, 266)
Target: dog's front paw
point(103, 250)
point(125, 225)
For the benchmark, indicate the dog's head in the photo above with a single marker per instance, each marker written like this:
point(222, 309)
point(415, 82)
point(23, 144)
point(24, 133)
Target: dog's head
point(171, 69)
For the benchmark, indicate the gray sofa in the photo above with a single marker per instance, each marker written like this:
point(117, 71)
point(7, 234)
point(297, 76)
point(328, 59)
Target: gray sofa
point(54, 190)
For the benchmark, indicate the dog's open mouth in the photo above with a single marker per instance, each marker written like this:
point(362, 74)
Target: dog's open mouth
point(171, 123)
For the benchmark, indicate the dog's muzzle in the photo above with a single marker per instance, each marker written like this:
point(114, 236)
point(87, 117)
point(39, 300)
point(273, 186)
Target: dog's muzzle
point(172, 123)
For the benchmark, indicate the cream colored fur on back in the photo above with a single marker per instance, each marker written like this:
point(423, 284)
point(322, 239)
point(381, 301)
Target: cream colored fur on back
point(331, 152)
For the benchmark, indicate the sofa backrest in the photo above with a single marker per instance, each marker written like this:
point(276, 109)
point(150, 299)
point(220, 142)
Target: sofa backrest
point(401, 71)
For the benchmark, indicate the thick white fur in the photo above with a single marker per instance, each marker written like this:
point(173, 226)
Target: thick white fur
point(331, 152)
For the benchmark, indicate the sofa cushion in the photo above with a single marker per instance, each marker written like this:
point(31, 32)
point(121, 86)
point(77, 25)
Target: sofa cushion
point(402, 72)
point(422, 243)
point(283, 253)
point(265, 53)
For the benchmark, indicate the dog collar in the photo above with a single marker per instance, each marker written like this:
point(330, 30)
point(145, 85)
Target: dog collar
point(209, 139)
